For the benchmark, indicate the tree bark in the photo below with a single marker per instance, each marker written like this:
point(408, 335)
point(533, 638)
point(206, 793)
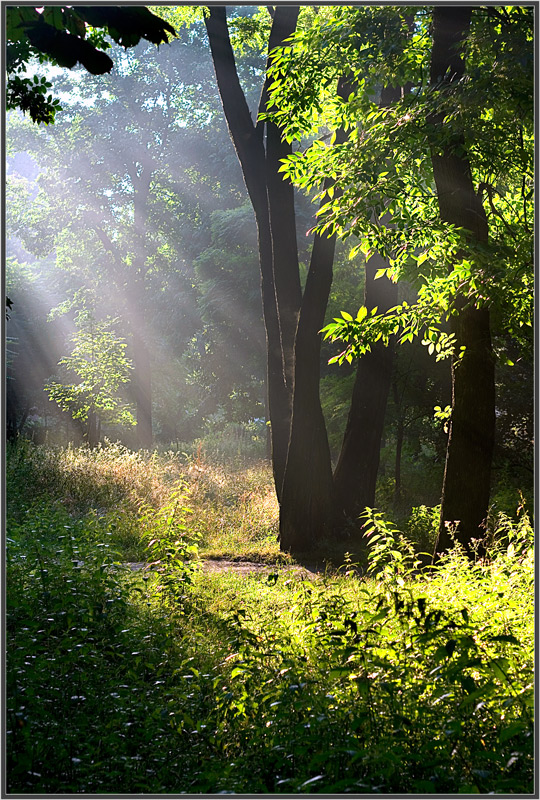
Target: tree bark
point(307, 510)
point(275, 255)
point(355, 476)
point(466, 484)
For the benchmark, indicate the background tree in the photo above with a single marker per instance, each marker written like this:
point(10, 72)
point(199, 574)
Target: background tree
point(82, 212)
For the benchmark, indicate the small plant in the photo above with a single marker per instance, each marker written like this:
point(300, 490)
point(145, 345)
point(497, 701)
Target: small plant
point(171, 550)
point(422, 528)
point(390, 554)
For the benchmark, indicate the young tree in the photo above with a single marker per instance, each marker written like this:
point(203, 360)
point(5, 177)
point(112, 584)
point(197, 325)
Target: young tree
point(99, 363)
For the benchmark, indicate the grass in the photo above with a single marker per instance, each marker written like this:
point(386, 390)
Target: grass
point(178, 680)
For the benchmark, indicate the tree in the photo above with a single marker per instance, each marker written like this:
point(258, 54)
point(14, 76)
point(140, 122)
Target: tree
point(426, 162)
point(145, 138)
point(467, 474)
point(99, 362)
point(305, 486)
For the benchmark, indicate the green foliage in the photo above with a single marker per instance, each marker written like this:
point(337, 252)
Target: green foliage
point(423, 527)
point(384, 172)
point(170, 551)
point(98, 359)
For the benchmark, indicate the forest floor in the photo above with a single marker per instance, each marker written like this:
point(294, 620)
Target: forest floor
point(231, 668)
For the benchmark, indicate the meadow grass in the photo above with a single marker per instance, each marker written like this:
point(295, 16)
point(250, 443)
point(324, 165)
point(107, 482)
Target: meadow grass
point(178, 680)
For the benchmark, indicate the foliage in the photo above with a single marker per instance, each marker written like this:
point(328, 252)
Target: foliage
point(170, 551)
point(383, 170)
point(119, 681)
point(192, 240)
point(65, 36)
point(98, 360)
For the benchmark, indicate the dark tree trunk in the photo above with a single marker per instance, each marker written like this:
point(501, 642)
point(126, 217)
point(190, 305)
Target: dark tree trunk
point(355, 476)
point(276, 259)
point(92, 429)
point(12, 429)
point(397, 464)
point(466, 485)
point(400, 433)
point(307, 511)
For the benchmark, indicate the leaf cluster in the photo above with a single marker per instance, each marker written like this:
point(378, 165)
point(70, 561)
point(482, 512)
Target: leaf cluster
point(66, 36)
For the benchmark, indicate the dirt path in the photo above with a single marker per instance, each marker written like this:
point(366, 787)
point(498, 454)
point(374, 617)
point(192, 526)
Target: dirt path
point(249, 567)
point(246, 567)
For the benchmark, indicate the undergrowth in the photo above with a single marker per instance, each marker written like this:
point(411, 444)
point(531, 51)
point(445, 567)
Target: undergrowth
point(171, 679)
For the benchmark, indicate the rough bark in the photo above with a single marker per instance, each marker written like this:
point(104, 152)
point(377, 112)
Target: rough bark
point(466, 485)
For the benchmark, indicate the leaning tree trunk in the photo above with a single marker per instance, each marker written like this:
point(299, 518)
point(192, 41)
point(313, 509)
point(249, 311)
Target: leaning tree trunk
point(308, 508)
point(307, 511)
point(355, 476)
point(248, 140)
point(466, 485)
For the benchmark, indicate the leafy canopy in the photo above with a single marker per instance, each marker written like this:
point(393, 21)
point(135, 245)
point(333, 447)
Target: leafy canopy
point(383, 171)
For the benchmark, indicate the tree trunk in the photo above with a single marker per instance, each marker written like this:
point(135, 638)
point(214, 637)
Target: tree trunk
point(307, 510)
point(142, 389)
point(11, 411)
point(466, 485)
point(355, 476)
point(397, 465)
point(275, 228)
point(91, 429)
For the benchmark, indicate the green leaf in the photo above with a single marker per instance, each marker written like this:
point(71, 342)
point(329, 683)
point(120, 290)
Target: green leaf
point(362, 312)
point(512, 730)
